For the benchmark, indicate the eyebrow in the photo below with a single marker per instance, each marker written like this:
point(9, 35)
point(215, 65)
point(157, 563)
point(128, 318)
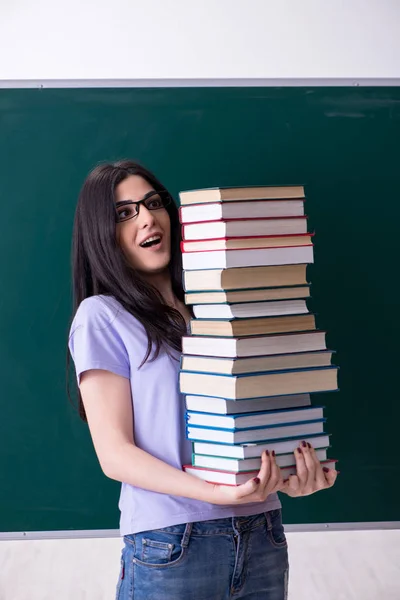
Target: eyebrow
point(124, 202)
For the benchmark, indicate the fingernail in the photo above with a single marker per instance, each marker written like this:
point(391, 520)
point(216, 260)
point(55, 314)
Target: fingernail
point(256, 480)
point(267, 452)
point(298, 450)
point(273, 452)
point(325, 469)
point(309, 445)
point(304, 444)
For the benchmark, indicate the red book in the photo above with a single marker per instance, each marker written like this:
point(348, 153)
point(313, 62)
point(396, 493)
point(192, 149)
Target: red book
point(227, 478)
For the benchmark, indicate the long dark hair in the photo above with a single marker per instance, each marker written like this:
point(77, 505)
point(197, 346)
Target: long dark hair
point(100, 267)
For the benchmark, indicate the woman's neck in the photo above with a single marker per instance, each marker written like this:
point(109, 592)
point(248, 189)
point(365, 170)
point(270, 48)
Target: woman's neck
point(162, 283)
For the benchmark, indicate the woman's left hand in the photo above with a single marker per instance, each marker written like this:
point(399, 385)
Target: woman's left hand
point(311, 475)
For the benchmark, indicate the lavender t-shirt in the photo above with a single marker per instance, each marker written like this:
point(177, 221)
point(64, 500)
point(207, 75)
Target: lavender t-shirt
point(105, 336)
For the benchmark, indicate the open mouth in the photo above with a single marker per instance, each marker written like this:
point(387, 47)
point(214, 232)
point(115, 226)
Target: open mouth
point(154, 240)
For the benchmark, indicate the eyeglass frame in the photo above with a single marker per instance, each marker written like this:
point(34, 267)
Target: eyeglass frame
point(166, 202)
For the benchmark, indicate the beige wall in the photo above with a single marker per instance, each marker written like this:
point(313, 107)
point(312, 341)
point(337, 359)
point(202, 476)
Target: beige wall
point(335, 565)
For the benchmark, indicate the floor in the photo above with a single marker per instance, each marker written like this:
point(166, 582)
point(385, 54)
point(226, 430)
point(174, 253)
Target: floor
point(335, 565)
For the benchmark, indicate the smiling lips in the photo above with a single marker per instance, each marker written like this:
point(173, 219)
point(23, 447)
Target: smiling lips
point(151, 241)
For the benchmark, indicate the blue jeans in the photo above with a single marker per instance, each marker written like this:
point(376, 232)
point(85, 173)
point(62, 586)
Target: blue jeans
point(239, 558)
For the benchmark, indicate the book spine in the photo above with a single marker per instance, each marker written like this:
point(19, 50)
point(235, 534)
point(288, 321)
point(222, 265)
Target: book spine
point(264, 250)
point(225, 220)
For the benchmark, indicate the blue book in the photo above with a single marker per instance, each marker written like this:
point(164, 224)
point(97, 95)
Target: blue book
point(237, 296)
point(259, 419)
point(255, 434)
point(253, 450)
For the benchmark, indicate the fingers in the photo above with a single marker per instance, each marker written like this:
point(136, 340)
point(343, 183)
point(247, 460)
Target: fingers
point(291, 486)
point(257, 484)
point(310, 466)
point(247, 489)
point(275, 480)
point(270, 477)
point(331, 476)
point(310, 477)
point(301, 468)
point(268, 480)
point(320, 479)
point(265, 468)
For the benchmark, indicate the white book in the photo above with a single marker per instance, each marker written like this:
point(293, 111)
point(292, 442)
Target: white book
point(264, 345)
point(250, 309)
point(258, 257)
point(256, 209)
point(235, 465)
point(232, 194)
point(256, 364)
point(244, 228)
point(222, 406)
point(242, 451)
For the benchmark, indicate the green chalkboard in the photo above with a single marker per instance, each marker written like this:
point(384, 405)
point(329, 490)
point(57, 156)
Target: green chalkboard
point(342, 143)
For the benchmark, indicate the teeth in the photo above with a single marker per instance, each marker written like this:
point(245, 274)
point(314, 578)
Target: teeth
point(153, 238)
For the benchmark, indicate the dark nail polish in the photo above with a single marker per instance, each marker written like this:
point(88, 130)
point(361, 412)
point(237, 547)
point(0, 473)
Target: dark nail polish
point(304, 444)
point(256, 480)
point(267, 452)
point(309, 445)
point(273, 452)
point(325, 469)
point(299, 450)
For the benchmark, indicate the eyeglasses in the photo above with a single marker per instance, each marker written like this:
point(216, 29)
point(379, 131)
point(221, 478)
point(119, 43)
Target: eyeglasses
point(127, 209)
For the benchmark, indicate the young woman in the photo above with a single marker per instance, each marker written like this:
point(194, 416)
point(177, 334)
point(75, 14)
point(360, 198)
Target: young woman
point(185, 539)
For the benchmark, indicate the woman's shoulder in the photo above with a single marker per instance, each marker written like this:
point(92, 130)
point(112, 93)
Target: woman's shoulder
point(98, 311)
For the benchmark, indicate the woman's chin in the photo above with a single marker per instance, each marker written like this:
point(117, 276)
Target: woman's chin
point(155, 268)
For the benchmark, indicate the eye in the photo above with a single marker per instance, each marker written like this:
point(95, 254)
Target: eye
point(126, 212)
point(154, 202)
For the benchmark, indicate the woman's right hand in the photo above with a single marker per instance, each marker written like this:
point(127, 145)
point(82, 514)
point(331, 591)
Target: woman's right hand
point(268, 481)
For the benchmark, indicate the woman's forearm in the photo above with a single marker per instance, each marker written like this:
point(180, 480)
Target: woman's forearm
point(132, 465)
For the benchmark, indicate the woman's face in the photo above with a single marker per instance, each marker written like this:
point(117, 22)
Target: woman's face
point(133, 234)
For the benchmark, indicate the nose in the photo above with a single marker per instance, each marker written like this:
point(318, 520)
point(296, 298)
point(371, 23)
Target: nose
point(145, 218)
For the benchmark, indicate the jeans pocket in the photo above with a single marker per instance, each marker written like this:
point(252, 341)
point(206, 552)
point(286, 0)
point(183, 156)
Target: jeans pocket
point(159, 549)
point(156, 552)
point(275, 529)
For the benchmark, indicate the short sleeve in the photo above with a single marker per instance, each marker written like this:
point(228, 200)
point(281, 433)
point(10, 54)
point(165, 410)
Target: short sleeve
point(95, 341)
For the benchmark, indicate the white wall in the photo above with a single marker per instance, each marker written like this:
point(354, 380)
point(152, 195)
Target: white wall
point(340, 565)
point(208, 39)
point(174, 39)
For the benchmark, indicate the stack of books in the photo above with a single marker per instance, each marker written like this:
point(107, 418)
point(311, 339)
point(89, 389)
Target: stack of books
point(254, 354)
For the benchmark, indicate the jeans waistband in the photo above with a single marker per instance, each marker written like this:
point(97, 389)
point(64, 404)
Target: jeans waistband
point(229, 526)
